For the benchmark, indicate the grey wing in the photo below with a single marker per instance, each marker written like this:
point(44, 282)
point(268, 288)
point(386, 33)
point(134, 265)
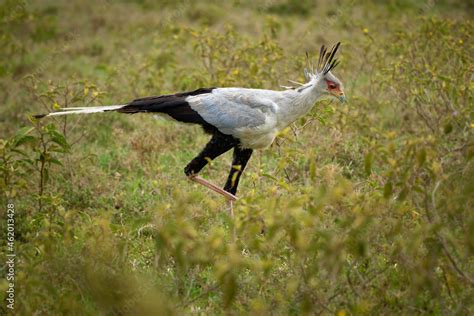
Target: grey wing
point(231, 112)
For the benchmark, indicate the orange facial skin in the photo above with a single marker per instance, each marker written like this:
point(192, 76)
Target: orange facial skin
point(336, 90)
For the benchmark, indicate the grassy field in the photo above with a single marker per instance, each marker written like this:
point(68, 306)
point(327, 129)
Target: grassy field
point(359, 208)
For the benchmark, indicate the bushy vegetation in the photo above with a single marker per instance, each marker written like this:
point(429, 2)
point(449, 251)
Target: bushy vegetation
point(361, 208)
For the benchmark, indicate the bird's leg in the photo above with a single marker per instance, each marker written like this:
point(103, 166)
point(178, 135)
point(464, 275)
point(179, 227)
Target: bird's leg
point(218, 145)
point(240, 158)
point(239, 161)
point(231, 197)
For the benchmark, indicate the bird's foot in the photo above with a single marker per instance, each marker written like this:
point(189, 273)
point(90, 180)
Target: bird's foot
point(213, 187)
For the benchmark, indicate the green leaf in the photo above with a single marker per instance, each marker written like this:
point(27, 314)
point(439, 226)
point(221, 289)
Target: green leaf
point(421, 157)
point(50, 127)
point(21, 152)
point(403, 194)
point(46, 175)
point(312, 169)
point(23, 140)
point(229, 287)
point(368, 163)
point(55, 161)
point(22, 137)
point(267, 175)
point(448, 128)
point(59, 139)
point(27, 161)
point(387, 189)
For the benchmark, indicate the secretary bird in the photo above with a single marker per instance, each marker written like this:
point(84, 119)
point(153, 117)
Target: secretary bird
point(239, 118)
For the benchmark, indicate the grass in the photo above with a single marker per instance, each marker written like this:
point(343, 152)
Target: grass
point(361, 208)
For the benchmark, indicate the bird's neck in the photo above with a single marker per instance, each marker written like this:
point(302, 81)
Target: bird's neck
point(300, 102)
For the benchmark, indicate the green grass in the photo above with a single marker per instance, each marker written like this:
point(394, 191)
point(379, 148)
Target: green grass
point(360, 208)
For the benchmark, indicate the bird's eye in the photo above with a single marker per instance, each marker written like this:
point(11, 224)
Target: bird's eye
point(331, 85)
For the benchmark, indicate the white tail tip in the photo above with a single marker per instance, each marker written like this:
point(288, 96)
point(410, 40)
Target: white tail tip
point(81, 110)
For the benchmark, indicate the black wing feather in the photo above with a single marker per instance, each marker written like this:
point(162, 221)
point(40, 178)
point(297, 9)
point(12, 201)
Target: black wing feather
point(174, 105)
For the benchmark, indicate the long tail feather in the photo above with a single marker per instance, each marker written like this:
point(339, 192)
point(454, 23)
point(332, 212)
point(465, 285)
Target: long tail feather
point(81, 110)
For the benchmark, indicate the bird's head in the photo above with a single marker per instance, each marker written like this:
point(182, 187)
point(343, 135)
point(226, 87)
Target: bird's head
point(323, 81)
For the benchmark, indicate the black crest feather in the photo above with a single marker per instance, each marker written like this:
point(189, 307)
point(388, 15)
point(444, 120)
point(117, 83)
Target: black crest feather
point(326, 61)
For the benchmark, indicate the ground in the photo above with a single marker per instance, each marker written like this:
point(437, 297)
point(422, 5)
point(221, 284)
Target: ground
point(359, 208)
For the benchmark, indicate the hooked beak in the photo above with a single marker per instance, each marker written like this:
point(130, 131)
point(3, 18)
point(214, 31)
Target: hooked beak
point(339, 94)
point(342, 98)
